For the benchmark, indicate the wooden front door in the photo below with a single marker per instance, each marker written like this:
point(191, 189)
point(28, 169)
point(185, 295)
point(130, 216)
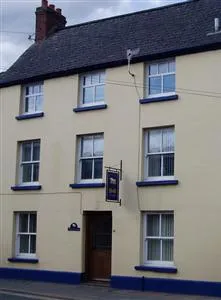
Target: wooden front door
point(98, 245)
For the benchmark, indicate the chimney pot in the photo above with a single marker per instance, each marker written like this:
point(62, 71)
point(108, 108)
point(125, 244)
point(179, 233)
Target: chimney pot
point(58, 10)
point(44, 3)
point(52, 6)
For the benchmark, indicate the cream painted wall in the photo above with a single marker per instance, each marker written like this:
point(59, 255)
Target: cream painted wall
point(195, 201)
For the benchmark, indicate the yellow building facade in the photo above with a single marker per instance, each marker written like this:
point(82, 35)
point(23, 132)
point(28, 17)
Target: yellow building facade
point(58, 135)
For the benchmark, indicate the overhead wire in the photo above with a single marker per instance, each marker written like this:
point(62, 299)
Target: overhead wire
point(210, 94)
point(14, 32)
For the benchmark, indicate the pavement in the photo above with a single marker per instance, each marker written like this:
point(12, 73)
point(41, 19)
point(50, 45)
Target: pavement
point(27, 290)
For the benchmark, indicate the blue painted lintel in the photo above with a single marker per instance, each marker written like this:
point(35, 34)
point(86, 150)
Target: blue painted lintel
point(26, 187)
point(88, 108)
point(156, 269)
point(23, 260)
point(86, 185)
point(156, 183)
point(158, 99)
point(29, 116)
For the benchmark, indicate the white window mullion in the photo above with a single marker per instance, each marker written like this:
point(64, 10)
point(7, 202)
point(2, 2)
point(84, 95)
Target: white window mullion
point(161, 159)
point(32, 165)
point(162, 83)
point(160, 234)
point(94, 94)
point(92, 156)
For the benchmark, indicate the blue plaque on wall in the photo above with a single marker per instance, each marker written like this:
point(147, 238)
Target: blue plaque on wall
point(112, 185)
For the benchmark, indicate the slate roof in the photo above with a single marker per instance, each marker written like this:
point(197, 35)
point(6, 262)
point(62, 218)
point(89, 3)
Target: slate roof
point(171, 30)
point(1, 75)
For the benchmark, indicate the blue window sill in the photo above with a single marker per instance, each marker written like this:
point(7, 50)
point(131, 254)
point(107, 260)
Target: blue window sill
point(159, 99)
point(26, 187)
point(172, 270)
point(157, 182)
point(29, 116)
point(23, 260)
point(88, 108)
point(86, 185)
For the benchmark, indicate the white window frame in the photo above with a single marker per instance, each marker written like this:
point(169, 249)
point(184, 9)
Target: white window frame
point(158, 62)
point(18, 234)
point(24, 97)
point(146, 155)
point(92, 180)
point(21, 163)
point(159, 263)
point(82, 87)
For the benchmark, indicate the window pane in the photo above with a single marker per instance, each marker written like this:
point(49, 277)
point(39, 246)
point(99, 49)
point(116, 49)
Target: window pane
point(167, 225)
point(36, 150)
point(168, 140)
point(38, 103)
point(172, 66)
point(154, 85)
point(99, 92)
point(167, 250)
point(27, 90)
point(153, 69)
point(168, 164)
point(26, 152)
point(169, 83)
point(153, 249)
point(154, 165)
point(30, 104)
point(154, 141)
point(163, 68)
point(88, 94)
point(26, 104)
point(153, 228)
point(33, 244)
point(36, 89)
point(95, 78)
point(23, 222)
point(98, 168)
point(35, 172)
point(87, 80)
point(32, 224)
point(86, 146)
point(26, 173)
point(98, 145)
point(102, 77)
point(86, 168)
point(41, 88)
point(24, 240)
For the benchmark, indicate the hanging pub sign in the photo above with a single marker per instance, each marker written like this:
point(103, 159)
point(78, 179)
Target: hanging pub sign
point(112, 185)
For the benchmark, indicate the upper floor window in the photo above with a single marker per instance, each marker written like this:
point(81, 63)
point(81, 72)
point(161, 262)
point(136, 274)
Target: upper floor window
point(32, 99)
point(158, 238)
point(91, 149)
point(92, 88)
point(159, 153)
point(161, 78)
point(25, 242)
point(29, 162)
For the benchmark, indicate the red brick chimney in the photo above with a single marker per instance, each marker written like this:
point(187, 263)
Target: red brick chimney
point(48, 20)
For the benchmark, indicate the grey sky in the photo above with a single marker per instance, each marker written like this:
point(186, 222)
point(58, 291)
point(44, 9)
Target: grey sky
point(17, 19)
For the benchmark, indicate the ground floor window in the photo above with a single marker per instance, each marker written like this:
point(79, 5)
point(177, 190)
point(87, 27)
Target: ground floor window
point(158, 237)
point(26, 231)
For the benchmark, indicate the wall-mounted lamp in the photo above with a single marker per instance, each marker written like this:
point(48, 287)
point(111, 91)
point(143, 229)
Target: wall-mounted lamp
point(73, 227)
